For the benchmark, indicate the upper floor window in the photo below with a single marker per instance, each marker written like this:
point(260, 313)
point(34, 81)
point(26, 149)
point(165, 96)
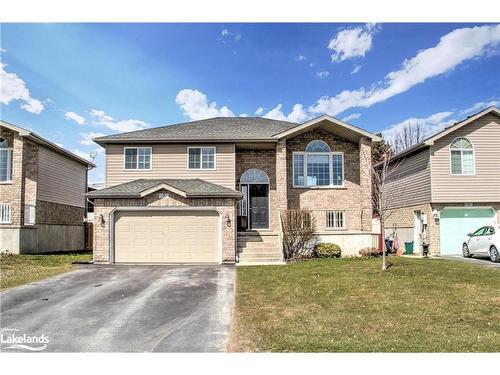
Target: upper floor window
point(201, 157)
point(317, 166)
point(5, 161)
point(138, 157)
point(462, 157)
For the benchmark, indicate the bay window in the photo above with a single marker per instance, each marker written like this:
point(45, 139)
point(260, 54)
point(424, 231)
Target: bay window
point(318, 167)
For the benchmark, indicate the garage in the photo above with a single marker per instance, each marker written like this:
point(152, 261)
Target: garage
point(456, 222)
point(167, 236)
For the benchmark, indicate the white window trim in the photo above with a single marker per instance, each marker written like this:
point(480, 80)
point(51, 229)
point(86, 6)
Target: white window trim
point(344, 220)
point(33, 219)
point(6, 207)
point(201, 159)
point(330, 165)
point(462, 158)
point(137, 161)
point(10, 158)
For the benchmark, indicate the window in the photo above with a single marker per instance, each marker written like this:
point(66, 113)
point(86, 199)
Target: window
point(5, 216)
point(5, 161)
point(317, 166)
point(29, 214)
point(138, 158)
point(479, 232)
point(201, 158)
point(335, 220)
point(462, 157)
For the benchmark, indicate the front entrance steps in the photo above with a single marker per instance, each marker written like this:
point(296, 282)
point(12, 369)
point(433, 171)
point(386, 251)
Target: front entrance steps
point(259, 247)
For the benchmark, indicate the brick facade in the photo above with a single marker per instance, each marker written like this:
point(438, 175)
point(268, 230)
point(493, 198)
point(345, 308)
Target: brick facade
point(225, 206)
point(354, 198)
point(22, 191)
point(264, 160)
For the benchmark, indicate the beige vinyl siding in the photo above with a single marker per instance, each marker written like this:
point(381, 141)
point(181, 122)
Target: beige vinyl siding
point(410, 183)
point(170, 161)
point(484, 186)
point(60, 179)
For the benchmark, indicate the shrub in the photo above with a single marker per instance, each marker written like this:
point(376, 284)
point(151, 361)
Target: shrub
point(327, 250)
point(369, 252)
point(299, 233)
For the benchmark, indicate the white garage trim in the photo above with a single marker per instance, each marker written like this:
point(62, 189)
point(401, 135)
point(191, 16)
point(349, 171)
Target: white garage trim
point(140, 208)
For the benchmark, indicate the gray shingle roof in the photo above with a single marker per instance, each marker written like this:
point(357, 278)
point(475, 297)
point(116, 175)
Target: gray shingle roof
point(192, 188)
point(218, 128)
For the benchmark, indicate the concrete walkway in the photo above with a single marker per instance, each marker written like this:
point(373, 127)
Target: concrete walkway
point(124, 309)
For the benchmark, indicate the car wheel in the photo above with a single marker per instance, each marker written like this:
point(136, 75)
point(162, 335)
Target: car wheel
point(465, 251)
point(494, 256)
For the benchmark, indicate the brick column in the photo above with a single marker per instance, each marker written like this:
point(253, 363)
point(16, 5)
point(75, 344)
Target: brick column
point(365, 181)
point(17, 201)
point(281, 179)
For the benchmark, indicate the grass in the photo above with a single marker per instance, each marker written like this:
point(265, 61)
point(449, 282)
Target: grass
point(350, 305)
point(21, 269)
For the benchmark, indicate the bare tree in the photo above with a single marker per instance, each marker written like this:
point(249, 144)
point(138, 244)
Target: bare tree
point(382, 175)
point(299, 232)
point(382, 191)
point(408, 135)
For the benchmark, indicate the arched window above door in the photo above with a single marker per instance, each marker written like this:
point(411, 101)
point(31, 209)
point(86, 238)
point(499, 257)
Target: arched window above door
point(254, 176)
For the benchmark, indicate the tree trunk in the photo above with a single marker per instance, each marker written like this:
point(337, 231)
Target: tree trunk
point(384, 247)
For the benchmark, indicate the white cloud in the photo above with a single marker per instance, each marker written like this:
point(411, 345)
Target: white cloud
point(428, 125)
point(356, 69)
point(312, 65)
point(453, 49)
point(3, 50)
point(226, 33)
point(351, 117)
point(322, 74)
point(260, 111)
point(101, 118)
point(244, 115)
point(298, 114)
point(195, 105)
point(479, 106)
point(14, 88)
point(80, 120)
point(82, 154)
point(352, 42)
point(87, 138)
point(301, 58)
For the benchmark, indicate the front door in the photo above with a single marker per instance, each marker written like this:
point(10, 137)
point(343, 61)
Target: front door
point(259, 206)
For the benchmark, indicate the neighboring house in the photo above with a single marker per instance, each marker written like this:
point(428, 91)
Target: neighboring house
point(42, 194)
point(448, 185)
point(213, 190)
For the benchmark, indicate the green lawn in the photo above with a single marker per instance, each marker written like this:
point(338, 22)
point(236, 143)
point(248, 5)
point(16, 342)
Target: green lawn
point(350, 305)
point(21, 269)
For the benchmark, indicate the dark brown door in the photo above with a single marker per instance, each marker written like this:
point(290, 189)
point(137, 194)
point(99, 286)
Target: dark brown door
point(259, 206)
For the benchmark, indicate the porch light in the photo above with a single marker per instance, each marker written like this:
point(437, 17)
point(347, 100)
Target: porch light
point(435, 214)
point(228, 220)
point(101, 219)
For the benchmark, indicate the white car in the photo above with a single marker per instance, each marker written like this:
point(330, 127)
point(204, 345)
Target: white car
point(484, 241)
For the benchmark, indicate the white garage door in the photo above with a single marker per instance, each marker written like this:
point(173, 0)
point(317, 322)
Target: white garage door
point(167, 237)
point(455, 223)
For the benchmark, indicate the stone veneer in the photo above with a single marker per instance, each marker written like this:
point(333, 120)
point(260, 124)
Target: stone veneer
point(59, 214)
point(354, 198)
point(225, 206)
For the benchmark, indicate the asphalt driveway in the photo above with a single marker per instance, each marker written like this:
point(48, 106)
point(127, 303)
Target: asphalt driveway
point(124, 309)
point(481, 260)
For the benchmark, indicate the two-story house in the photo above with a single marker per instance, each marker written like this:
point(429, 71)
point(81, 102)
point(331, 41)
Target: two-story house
point(447, 185)
point(42, 194)
point(213, 190)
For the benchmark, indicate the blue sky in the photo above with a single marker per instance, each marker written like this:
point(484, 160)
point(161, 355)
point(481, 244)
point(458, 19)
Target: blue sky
point(70, 82)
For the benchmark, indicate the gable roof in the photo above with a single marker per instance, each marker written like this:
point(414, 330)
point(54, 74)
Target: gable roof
point(345, 129)
point(218, 129)
point(187, 188)
point(38, 139)
point(233, 129)
point(430, 140)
